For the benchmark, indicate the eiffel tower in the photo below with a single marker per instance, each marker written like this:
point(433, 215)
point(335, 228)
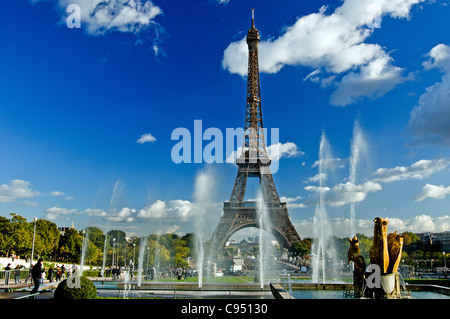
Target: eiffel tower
point(254, 162)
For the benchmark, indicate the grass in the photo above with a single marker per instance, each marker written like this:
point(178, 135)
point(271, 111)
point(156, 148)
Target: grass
point(225, 279)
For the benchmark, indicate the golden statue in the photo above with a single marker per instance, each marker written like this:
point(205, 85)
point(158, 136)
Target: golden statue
point(379, 251)
point(354, 254)
point(395, 246)
point(386, 252)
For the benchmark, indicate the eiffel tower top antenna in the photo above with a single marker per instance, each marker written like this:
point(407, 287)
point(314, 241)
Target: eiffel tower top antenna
point(253, 17)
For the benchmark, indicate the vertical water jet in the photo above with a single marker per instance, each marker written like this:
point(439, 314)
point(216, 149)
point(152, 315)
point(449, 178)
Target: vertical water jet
point(323, 247)
point(359, 151)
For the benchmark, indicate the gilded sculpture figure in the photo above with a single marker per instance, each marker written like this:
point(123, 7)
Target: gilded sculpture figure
point(354, 254)
point(395, 246)
point(386, 253)
point(379, 254)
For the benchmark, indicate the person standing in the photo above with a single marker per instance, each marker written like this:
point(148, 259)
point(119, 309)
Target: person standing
point(63, 272)
point(7, 273)
point(58, 273)
point(36, 273)
point(17, 274)
point(50, 274)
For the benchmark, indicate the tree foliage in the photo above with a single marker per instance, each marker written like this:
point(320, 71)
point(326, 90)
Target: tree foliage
point(167, 250)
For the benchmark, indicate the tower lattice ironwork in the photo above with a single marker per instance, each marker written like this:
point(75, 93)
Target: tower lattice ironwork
point(254, 162)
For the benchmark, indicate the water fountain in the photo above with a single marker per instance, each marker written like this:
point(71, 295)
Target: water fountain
point(114, 195)
point(202, 194)
point(142, 248)
point(83, 252)
point(126, 284)
point(359, 151)
point(323, 246)
point(265, 247)
point(157, 252)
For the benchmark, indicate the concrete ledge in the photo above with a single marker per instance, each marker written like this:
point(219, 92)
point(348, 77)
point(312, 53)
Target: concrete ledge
point(433, 288)
point(318, 286)
point(194, 286)
point(278, 292)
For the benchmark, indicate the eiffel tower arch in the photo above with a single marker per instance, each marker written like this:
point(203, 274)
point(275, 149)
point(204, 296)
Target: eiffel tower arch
point(254, 162)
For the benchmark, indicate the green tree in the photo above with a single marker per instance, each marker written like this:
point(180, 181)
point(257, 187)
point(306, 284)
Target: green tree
point(181, 252)
point(6, 241)
point(117, 236)
point(300, 248)
point(21, 236)
point(96, 236)
point(47, 238)
point(157, 253)
point(191, 242)
point(70, 245)
point(92, 253)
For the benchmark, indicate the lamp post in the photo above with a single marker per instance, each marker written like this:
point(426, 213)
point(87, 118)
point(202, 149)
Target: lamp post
point(134, 246)
point(148, 256)
point(118, 246)
point(34, 236)
point(445, 264)
point(83, 251)
point(114, 243)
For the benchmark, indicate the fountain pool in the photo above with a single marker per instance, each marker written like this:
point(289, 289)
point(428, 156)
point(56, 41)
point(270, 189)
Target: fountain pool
point(339, 294)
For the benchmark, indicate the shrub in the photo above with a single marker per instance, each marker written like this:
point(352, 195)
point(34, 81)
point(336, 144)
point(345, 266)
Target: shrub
point(87, 290)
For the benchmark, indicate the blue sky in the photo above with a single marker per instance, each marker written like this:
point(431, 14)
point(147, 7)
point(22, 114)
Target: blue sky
point(75, 103)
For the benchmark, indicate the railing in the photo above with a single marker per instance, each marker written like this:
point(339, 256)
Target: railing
point(30, 296)
point(13, 277)
point(251, 204)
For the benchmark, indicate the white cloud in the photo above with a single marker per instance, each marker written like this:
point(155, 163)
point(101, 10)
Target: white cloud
point(340, 194)
point(374, 79)
point(416, 224)
point(417, 170)
point(56, 193)
point(429, 120)
point(178, 209)
point(432, 191)
point(155, 210)
point(291, 202)
point(283, 150)
point(146, 138)
point(439, 57)
point(95, 212)
point(100, 16)
point(57, 212)
point(421, 223)
point(274, 151)
point(333, 44)
point(124, 215)
point(16, 189)
point(316, 178)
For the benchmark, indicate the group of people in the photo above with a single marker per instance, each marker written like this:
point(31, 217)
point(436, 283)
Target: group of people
point(37, 273)
point(16, 271)
point(113, 271)
point(182, 273)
